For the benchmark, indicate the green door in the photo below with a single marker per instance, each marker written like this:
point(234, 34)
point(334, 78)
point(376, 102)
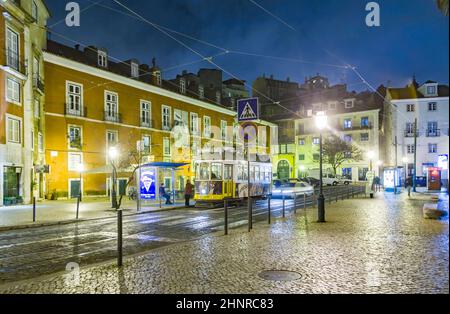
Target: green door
point(283, 170)
point(74, 188)
point(122, 187)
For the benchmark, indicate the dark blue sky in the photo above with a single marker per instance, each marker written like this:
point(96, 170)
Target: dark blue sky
point(413, 37)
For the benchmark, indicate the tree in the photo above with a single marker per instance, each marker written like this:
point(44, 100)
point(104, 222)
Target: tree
point(443, 6)
point(336, 151)
point(129, 161)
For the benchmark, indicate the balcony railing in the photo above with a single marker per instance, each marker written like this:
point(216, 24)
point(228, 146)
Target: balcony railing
point(69, 110)
point(112, 116)
point(38, 83)
point(147, 124)
point(357, 127)
point(13, 61)
point(433, 133)
point(410, 133)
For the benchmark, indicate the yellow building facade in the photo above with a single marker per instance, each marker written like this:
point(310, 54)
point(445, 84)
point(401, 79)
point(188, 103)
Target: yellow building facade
point(91, 108)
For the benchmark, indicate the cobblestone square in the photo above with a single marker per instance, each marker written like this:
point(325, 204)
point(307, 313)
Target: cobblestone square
point(381, 245)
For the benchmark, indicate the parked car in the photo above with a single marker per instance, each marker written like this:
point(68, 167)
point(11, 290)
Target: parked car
point(292, 190)
point(312, 181)
point(344, 180)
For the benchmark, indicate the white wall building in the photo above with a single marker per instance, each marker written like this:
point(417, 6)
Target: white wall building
point(429, 103)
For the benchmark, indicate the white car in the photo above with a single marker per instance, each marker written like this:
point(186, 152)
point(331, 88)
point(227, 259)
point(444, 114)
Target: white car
point(292, 190)
point(344, 180)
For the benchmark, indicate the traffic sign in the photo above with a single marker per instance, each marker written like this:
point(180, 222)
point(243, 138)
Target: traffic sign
point(248, 109)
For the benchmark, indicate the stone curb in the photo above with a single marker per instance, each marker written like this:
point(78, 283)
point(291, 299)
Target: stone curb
point(66, 222)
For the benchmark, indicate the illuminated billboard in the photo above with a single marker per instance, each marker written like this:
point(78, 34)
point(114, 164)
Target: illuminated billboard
point(147, 183)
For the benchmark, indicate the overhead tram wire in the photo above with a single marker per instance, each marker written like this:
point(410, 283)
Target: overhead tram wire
point(200, 55)
point(345, 64)
point(93, 3)
point(225, 50)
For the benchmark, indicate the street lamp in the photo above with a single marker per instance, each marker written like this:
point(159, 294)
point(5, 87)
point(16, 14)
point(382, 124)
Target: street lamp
point(405, 161)
point(80, 169)
point(113, 153)
point(321, 122)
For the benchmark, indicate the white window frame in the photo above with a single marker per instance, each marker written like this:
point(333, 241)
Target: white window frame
point(102, 58)
point(146, 113)
point(35, 11)
point(73, 126)
point(195, 123)
point(149, 146)
point(433, 90)
point(410, 107)
point(12, 31)
point(207, 126)
point(349, 103)
point(316, 140)
point(12, 95)
point(434, 146)
point(201, 91)
point(71, 107)
point(432, 106)
point(134, 70)
point(166, 117)
point(17, 121)
point(365, 139)
point(410, 149)
point(182, 86)
point(70, 165)
point(223, 129)
point(166, 146)
point(112, 114)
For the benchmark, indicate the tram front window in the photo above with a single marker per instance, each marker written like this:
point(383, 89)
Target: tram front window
point(204, 171)
point(216, 171)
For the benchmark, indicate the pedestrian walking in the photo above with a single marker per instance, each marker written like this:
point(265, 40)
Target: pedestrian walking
point(408, 185)
point(163, 193)
point(188, 191)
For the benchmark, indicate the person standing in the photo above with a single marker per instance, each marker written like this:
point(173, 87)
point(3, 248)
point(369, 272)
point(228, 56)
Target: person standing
point(408, 184)
point(188, 191)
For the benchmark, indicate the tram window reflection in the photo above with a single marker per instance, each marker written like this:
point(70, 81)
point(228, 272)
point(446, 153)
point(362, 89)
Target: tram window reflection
point(204, 171)
point(216, 171)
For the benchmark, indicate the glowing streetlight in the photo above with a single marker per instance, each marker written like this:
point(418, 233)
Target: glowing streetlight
point(321, 123)
point(113, 153)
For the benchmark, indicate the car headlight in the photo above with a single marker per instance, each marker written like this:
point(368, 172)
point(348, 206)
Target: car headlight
point(203, 191)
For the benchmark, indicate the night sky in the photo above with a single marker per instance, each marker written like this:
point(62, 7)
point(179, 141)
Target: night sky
point(413, 37)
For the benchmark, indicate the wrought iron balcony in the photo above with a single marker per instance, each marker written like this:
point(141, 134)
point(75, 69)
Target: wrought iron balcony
point(13, 61)
point(38, 83)
point(112, 116)
point(433, 133)
point(70, 110)
point(147, 124)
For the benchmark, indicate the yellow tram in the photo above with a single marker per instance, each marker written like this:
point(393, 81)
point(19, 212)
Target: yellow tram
point(219, 179)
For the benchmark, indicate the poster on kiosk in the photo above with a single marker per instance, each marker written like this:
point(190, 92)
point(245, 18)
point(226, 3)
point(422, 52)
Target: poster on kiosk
point(147, 183)
point(391, 179)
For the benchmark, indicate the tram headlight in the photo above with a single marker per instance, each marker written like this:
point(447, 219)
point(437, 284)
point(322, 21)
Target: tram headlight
point(203, 191)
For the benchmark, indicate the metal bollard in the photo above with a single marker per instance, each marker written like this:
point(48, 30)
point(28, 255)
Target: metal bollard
point(284, 201)
point(353, 195)
point(268, 208)
point(119, 238)
point(226, 217)
point(250, 214)
point(160, 202)
point(34, 209)
point(295, 203)
point(304, 202)
point(78, 207)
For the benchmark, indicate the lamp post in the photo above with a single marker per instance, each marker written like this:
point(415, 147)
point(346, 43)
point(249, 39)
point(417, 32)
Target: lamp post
point(321, 123)
point(113, 153)
point(371, 175)
point(379, 164)
point(80, 169)
point(371, 155)
point(405, 161)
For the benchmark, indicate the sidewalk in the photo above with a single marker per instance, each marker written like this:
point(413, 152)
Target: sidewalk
point(49, 212)
point(380, 245)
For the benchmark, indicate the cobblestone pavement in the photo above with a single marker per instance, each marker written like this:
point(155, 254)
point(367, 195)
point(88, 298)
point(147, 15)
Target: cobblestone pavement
point(381, 245)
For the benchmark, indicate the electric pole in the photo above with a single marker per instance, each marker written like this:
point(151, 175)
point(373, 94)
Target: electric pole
point(396, 165)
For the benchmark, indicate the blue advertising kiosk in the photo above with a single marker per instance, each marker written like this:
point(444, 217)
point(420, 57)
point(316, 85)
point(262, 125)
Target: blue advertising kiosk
point(148, 179)
point(392, 179)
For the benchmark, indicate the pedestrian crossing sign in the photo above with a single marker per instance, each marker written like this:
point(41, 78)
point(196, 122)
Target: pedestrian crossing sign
point(248, 109)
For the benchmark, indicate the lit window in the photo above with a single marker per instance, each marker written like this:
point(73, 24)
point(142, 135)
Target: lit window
point(74, 98)
point(12, 49)
point(194, 123)
point(348, 138)
point(74, 137)
point(365, 122)
point(431, 90)
point(166, 146)
point(316, 140)
point(301, 142)
point(111, 106)
point(347, 123)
